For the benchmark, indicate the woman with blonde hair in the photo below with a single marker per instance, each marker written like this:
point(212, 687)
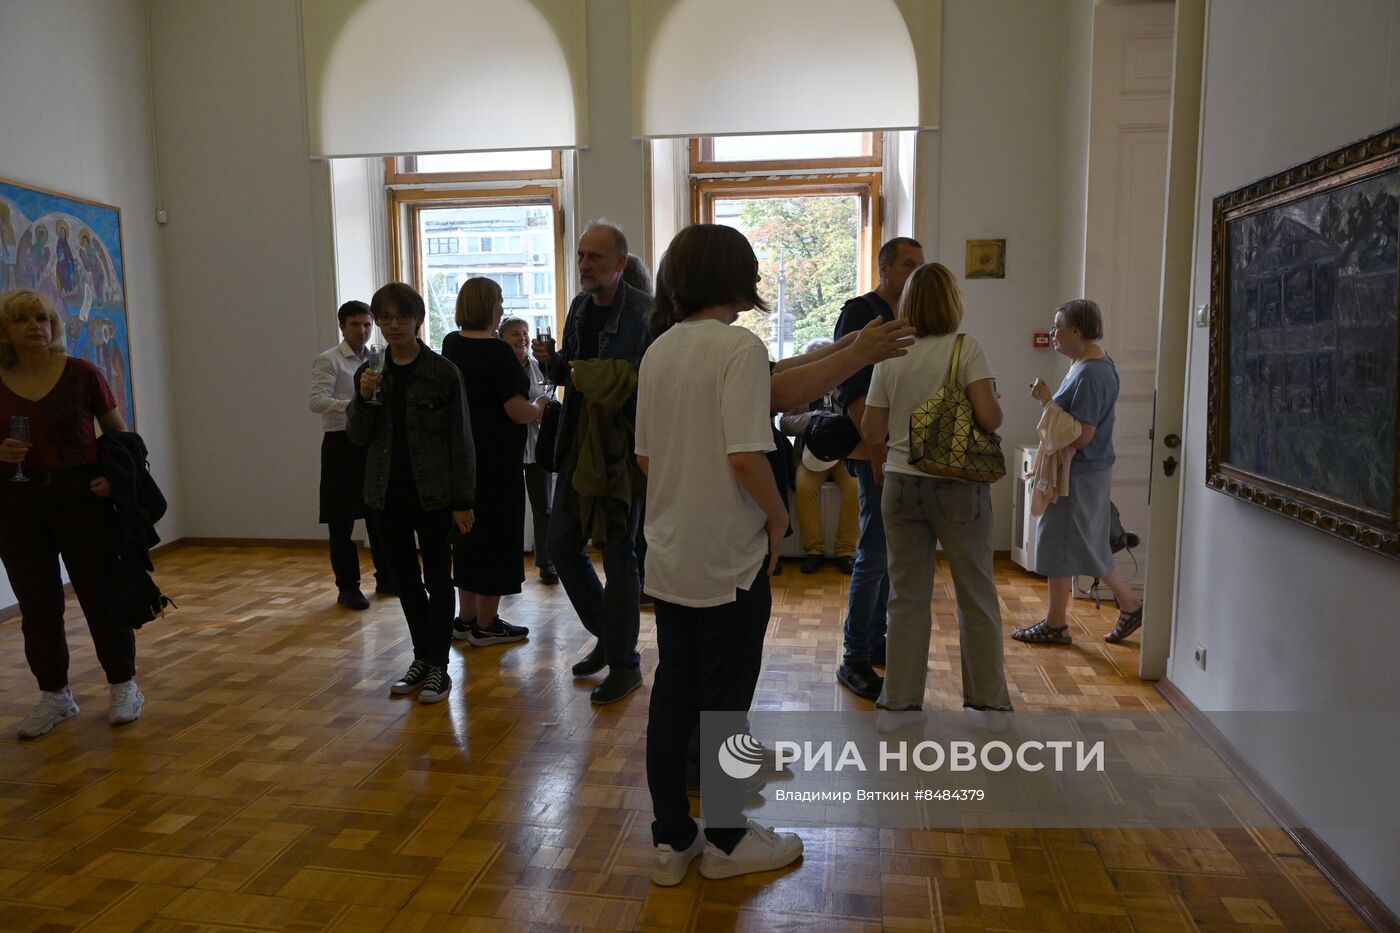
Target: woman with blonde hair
point(922, 511)
point(515, 331)
point(488, 562)
point(61, 512)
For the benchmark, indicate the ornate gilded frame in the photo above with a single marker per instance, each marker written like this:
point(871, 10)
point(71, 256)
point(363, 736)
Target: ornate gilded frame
point(1371, 529)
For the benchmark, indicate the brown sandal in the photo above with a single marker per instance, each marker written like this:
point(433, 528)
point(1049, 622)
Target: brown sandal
point(1043, 633)
point(1128, 622)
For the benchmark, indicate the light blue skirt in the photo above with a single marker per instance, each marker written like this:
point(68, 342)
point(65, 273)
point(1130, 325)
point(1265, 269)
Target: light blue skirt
point(1072, 537)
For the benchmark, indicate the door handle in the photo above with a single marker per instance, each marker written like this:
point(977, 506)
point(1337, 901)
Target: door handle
point(1169, 466)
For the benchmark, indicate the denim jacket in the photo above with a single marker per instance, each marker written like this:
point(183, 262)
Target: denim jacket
point(439, 435)
point(625, 336)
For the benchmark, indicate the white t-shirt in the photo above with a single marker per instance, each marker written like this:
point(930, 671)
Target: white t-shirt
point(906, 382)
point(703, 394)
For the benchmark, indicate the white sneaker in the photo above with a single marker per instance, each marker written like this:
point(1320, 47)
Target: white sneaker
point(671, 866)
point(761, 849)
point(51, 710)
point(127, 701)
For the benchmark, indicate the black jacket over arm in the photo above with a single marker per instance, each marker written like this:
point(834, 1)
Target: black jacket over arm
point(133, 597)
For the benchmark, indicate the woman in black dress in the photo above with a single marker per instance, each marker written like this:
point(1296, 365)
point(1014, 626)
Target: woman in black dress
point(488, 562)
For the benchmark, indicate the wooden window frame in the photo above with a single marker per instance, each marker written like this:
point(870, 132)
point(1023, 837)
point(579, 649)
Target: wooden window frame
point(394, 174)
point(702, 160)
point(866, 186)
point(405, 204)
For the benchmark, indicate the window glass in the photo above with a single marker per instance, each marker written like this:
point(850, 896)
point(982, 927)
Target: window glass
point(540, 160)
point(790, 146)
point(487, 231)
point(808, 251)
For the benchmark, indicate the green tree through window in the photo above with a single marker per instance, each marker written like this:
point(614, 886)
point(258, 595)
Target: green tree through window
point(807, 245)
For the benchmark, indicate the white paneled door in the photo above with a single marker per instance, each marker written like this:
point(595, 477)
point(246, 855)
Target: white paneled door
point(1130, 111)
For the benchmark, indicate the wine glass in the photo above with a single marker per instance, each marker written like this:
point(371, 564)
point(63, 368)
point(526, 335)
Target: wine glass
point(545, 336)
point(377, 356)
point(19, 430)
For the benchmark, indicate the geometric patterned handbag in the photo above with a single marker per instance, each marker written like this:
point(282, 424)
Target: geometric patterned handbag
point(944, 439)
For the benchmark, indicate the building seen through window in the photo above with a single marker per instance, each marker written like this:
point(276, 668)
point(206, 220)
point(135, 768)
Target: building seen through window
point(512, 244)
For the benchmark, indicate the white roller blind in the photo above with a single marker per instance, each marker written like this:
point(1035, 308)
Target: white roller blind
point(728, 67)
point(391, 77)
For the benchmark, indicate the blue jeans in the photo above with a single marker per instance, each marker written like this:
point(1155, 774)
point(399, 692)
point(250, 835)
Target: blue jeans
point(870, 582)
point(612, 613)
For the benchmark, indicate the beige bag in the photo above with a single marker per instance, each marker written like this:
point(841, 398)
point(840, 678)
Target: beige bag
point(944, 439)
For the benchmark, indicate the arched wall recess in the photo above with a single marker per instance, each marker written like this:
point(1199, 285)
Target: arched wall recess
point(389, 77)
point(728, 67)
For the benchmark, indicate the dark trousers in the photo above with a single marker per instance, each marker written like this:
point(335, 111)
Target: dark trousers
point(345, 553)
point(537, 488)
point(642, 546)
point(869, 596)
point(709, 660)
point(612, 614)
point(38, 524)
point(425, 592)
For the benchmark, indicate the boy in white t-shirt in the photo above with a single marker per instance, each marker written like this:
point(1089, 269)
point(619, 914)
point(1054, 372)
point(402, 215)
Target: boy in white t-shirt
point(714, 521)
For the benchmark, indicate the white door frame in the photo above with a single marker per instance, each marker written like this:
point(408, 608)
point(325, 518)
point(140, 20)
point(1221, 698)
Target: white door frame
point(1176, 315)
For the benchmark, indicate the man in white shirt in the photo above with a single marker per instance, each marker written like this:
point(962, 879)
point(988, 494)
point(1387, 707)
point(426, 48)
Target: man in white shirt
point(343, 463)
point(714, 520)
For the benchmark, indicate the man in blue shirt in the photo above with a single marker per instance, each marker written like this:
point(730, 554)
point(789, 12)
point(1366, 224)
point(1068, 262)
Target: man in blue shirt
point(870, 585)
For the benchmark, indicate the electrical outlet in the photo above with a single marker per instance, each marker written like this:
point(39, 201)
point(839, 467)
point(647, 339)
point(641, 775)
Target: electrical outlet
point(1200, 655)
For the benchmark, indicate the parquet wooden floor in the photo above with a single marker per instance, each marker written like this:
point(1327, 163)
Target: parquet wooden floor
point(274, 784)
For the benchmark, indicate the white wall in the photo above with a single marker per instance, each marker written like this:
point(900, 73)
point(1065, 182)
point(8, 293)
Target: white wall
point(1292, 619)
point(76, 119)
point(1004, 151)
point(248, 209)
point(1076, 48)
point(611, 176)
point(247, 252)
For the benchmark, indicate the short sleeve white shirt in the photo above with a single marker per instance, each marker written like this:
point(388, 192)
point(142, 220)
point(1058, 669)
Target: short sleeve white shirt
point(703, 393)
point(906, 382)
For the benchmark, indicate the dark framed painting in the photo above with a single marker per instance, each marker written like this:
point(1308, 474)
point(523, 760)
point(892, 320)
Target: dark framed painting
point(70, 250)
point(1304, 395)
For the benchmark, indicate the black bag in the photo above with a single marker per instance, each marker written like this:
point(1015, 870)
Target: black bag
point(549, 431)
point(1118, 539)
point(830, 436)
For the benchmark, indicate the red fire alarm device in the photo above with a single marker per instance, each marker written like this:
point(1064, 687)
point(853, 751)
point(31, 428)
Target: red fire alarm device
point(1040, 341)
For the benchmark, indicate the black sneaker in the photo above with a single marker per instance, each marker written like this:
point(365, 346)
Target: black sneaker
point(436, 686)
point(592, 663)
point(860, 678)
point(499, 632)
point(352, 598)
point(548, 576)
point(812, 563)
point(385, 588)
point(615, 686)
point(846, 565)
point(412, 680)
point(462, 628)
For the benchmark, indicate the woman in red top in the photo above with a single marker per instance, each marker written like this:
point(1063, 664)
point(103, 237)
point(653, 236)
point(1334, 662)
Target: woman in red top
point(61, 511)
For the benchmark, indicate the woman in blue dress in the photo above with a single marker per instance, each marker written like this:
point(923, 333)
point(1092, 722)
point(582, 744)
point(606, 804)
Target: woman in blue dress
point(1072, 537)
